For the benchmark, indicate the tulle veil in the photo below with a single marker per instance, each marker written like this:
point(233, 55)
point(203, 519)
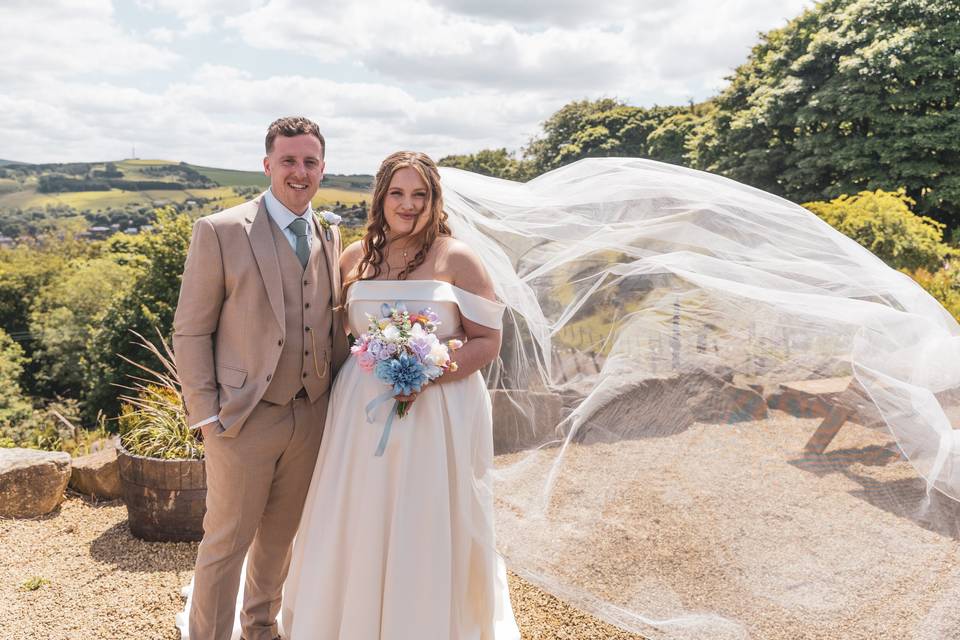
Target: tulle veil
point(715, 416)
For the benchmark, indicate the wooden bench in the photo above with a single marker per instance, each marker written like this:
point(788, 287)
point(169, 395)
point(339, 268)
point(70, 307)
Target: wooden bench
point(836, 400)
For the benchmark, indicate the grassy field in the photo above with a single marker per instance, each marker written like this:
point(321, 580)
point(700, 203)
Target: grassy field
point(116, 198)
point(22, 194)
point(234, 178)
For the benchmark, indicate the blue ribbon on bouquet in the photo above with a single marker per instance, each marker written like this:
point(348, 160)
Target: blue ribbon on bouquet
point(372, 406)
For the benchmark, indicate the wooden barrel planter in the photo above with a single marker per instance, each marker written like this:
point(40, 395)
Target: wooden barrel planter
point(165, 499)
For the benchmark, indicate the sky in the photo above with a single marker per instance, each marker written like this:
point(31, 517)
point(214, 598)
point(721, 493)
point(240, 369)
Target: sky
point(200, 80)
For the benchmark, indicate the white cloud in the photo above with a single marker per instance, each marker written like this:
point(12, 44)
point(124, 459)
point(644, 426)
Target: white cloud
point(565, 13)
point(416, 43)
point(219, 115)
point(571, 47)
point(199, 16)
point(67, 37)
point(442, 76)
point(162, 35)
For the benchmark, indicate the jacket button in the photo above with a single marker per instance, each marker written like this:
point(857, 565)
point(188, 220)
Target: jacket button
point(305, 283)
point(268, 377)
point(280, 342)
point(306, 328)
point(306, 353)
point(306, 306)
point(304, 374)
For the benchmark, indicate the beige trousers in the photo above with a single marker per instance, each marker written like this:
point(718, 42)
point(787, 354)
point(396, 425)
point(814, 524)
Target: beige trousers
point(256, 486)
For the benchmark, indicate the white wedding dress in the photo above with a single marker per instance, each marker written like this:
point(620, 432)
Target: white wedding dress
point(401, 547)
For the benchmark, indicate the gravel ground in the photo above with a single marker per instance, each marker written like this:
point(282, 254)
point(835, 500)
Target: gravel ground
point(731, 531)
point(101, 583)
point(731, 523)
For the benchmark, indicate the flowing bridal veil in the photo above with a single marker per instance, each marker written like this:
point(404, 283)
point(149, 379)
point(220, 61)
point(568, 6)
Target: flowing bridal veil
point(714, 415)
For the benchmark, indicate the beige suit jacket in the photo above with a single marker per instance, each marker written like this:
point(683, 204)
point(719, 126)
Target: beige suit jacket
point(229, 318)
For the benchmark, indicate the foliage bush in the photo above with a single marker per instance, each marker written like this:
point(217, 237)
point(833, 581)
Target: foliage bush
point(882, 222)
point(15, 408)
point(944, 285)
point(147, 306)
point(153, 420)
point(67, 311)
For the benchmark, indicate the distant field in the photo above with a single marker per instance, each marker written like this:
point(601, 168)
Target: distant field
point(349, 190)
point(116, 198)
point(234, 178)
point(330, 196)
point(105, 199)
point(133, 170)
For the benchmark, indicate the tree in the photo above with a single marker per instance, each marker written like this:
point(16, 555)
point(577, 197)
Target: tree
point(14, 407)
point(490, 162)
point(28, 267)
point(883, 223)
point(66, 313)
point(594, 129)
point(850, 96)
point(672, 140)
point(148, 306)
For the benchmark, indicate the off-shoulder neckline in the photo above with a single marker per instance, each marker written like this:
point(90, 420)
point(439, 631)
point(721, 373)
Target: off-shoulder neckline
point(429, 281)
point(472, 306)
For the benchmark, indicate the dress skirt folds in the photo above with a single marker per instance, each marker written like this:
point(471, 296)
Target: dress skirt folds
point(401, 546)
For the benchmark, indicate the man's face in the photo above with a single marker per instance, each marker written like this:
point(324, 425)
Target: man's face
point(295, 167)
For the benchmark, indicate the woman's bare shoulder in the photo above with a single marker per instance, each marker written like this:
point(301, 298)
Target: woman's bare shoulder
point(464, 268)
point(350, 257)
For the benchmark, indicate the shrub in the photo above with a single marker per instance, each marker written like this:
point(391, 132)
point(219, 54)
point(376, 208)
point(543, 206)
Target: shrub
point(944, 285)
point(882, 222)
point(14, 407)
point(153, 420)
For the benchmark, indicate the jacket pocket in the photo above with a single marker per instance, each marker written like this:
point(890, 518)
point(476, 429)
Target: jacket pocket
point(230, 376)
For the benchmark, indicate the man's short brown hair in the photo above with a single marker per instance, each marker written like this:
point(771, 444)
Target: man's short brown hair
point(294, 126)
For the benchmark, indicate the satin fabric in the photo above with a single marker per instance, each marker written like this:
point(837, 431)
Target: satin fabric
point(401, 547)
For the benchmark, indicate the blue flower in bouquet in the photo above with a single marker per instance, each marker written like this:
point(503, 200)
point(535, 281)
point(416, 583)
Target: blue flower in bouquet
point(405, 373)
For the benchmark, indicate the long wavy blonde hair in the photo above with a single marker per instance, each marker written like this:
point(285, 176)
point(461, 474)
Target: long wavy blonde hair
point(374, 241)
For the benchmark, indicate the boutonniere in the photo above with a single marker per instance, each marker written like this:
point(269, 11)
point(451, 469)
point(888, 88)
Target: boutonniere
point(327, 220)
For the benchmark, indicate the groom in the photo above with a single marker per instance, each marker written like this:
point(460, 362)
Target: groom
point(257, 343)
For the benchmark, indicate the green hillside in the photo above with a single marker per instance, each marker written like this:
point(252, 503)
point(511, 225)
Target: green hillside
point(233, 178)
point(125, 192)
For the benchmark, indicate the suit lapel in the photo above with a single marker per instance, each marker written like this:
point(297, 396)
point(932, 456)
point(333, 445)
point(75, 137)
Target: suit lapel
point(333, 269)
point(265, 253)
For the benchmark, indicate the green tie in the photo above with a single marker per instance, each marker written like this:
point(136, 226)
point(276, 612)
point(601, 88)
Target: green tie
point(299, 228)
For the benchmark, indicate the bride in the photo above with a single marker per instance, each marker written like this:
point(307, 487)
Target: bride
point(401, 545)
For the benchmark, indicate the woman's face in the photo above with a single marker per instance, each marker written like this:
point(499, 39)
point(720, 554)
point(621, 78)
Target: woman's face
point(405, 205)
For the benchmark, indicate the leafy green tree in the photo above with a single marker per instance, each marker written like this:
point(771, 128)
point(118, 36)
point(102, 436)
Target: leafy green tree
point(592, 129)
point(147, 306)
point(850, 96)
point(24, 270)
point(882, 222)
point(30, 265)
point(15, 409)
point(672, 140)
point(66, 313)
point(490, 162)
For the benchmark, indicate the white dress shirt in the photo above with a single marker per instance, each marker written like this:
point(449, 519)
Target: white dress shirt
point(283, 217)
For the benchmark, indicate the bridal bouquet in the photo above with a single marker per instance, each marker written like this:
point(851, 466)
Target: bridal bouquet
point(403, 351)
